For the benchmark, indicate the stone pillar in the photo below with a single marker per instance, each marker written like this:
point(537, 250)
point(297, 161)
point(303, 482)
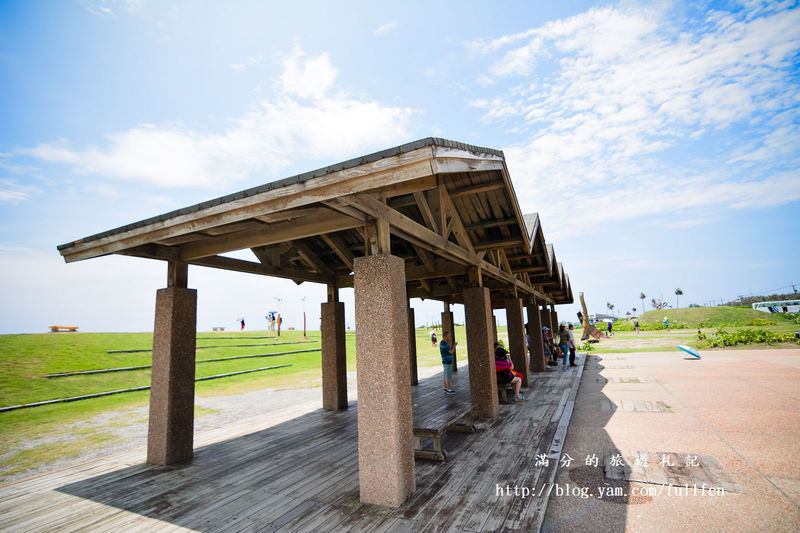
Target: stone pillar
point(412, 346)
point(516, 337)
point(547, 318)
point(448, 324)
point(480, 352)
point(334, 357)
point(538, 363)
point(171, 424)
point(554, 317)
point(385, 429)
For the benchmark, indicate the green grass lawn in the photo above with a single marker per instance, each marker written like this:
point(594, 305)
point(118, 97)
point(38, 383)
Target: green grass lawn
point(25, 359)
point(713, 316)
point(56, 431)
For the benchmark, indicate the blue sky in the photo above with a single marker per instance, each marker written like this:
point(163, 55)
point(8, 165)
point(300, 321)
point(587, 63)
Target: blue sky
point(660, 142)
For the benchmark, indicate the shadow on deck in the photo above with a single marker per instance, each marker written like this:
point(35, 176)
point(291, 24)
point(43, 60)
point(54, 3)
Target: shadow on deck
point(302, 475)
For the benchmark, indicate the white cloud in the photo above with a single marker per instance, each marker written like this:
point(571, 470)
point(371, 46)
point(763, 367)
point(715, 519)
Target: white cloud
point(12, 192)
point(305, 118)
point(251, 61)
point(307, 77)
point(607, 98)
point(112, 7)
point(383, 29)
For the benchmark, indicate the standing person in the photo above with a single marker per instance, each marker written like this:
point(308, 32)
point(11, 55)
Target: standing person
point(666, 323)
point(572, 347)
point(563, 343)
point(446, 349)
point(636, 325)
point(242, 325)
point(433, 337)
point(609, 328)
point(279, 320)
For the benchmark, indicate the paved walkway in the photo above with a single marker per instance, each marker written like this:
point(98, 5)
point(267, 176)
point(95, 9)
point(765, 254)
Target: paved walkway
point(741, 408)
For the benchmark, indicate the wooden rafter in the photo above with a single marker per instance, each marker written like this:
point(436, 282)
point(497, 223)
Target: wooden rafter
point(313, 259)
point(418, 234)
point(476, 189)
point(425, 210)
point(455, 219)
point(324, 221)
point(341, 250)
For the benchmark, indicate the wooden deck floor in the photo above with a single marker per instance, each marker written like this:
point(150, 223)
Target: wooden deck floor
point(301, 475)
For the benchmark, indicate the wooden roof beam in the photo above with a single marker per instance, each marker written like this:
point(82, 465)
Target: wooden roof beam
point(416, 233)
point(340, 249)
point(486, 224)
point(476, 189)
point(322, 222)
point(446, 205)
point(153, 251)
point(313, 259)
point(425, 210)
point(268, 255)
point(505, 243)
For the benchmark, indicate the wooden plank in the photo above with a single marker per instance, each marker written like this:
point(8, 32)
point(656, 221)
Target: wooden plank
point(418, 234)
point(425, 210)
point(313, 259)
point(340, 249)
point(250, 478)
point(323, 221)
point(476, 189)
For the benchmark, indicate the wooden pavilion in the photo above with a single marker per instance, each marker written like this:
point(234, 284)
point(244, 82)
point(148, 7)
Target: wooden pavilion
point(431, 219)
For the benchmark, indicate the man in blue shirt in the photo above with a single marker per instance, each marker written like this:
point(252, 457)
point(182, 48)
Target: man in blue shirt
point(446, 349)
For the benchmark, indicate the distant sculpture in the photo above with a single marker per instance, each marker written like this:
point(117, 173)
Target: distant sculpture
point(588, 329)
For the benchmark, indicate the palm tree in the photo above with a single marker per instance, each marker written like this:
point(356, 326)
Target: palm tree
point(678, 293)
point(642, 297)
point(610, 307)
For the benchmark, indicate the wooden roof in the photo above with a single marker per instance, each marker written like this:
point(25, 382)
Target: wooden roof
point(448, 208)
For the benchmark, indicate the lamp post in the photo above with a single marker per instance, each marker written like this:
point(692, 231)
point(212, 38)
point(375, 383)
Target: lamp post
point(303, 299)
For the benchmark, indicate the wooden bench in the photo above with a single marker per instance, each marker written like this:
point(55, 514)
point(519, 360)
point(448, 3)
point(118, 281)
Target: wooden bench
point(430, 428)
point(504, 392)
point(56, 329)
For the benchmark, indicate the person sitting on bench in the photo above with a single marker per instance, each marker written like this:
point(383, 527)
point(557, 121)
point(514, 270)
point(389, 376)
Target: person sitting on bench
point(505, 371)
point(551, 351)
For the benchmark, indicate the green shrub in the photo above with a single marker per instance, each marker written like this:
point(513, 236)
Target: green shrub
point(626, 325)
point(753, 322)
point(586, 347)
point(791, 317)
point(723, 339)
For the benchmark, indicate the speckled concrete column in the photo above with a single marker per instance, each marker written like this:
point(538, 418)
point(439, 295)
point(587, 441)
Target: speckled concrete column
point(412, 346)
point(171, 424)
point(547, 318)
point(516, 337)
point(385, 431)
point(482, 376)
point(538, 363)
point(334, 357)
point(448, 324)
